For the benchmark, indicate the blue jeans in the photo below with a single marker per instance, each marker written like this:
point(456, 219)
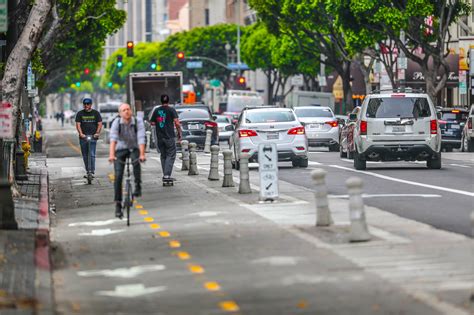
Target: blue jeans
point(84, 150)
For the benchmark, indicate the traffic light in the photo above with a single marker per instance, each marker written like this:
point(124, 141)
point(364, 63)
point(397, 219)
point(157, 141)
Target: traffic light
point(241, 80)
point(180, 55)
point(153, 64)
point(87, 71)
point(109, 84)
point(130, 48)
point(78, 84)
point(119, 61)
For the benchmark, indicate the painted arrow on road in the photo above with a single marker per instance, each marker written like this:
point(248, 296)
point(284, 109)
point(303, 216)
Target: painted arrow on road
point(131, 291)
point(102, 232)
point(122, 272)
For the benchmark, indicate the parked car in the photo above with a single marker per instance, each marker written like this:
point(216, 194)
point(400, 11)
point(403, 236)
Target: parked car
point(270, 124)
point(346, 142)
point(452, 123)
point(467, 141)
point(397, 127)
point(322, 127)
point(195, 121)
point(226, 128)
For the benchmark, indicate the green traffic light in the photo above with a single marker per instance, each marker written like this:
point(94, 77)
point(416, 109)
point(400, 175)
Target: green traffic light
point(119, 64)
point(78, 84)
point(109, 84)
point(153, 66)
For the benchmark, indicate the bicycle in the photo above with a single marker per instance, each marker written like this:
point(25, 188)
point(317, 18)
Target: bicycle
point(129, 197)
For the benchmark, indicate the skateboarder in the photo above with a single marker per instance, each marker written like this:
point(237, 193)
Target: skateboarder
point(165, 119)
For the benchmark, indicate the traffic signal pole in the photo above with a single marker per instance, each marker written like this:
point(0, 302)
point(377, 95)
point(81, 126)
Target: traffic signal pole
point(209, 59)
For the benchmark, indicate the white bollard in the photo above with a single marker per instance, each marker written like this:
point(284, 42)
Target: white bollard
point(244, 185)
point(228, 180)
point(207, 144)
point(323, 214)
point(185, 155)
point(214, 170)
point(193, 170)
point(359, 232)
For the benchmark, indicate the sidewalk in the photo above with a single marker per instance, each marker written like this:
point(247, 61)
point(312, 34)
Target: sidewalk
point(25, 277)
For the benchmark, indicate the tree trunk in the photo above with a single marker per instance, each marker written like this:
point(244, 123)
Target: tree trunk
point(15, 68)
point(365, 71)
point(346, 87)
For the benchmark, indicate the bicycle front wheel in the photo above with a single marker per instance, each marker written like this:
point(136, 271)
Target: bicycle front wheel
point(128, 200)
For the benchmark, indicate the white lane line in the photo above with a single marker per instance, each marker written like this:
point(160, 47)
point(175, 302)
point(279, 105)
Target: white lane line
point(459, 165)
point(314, 163)
point(352, 161)
point(454, 191)
point(387, 196)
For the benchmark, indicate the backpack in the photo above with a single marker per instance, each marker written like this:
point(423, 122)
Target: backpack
point(120, 125)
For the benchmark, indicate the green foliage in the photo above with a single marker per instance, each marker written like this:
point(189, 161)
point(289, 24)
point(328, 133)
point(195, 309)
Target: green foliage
point(257, 48)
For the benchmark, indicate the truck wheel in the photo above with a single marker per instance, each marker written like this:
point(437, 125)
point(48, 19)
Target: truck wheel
point(359, 163)
point(434, 164)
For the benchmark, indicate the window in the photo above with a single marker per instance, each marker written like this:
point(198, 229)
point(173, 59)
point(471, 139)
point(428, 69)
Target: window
point(222, 119)
point(461, 116)
point(398, 107)
point(313, 112)
point(189, 113)
point(206, 17)
point(255, 117)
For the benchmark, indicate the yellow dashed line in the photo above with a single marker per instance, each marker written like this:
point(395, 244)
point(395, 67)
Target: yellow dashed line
point(183, 255)
point(229, 306)
point(164, 234)
point(155, 226)
point(212, 286)
point(143, 212)
point(148, 219)
point(175, 244)
point(196, 269)
point(138, 207)
point(302, 304)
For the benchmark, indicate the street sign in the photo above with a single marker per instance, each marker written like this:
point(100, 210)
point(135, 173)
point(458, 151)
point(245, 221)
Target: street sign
point(6, 121)
point(268, 171)
point(462, 82)
point(236, 66)
point(194, 64)
point(322, 80)
point(297, 80)
point(3, 16)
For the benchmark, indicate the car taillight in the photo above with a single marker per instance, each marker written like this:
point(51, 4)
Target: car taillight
point(332, 123)
point(434, 127)
point(296, 131)
point(469, 123)
point(210, 124)
point(244, 133)
point(363, 127)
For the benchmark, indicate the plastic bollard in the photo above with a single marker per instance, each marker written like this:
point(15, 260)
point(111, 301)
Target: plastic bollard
point(185, 155)
point(244, 185)
point(207, 144)
point(228, 179)
point(214, 170)
point(193, 170)
point(359, 231)
point(323, 213)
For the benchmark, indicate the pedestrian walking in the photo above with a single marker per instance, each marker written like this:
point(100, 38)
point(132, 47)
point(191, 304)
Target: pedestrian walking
point(61, 115)
point(165, 119)
point(88, 123)
point(127, 139)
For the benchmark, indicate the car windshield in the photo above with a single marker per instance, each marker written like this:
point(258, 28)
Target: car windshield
point(461, 116)
point(191, 113)
point(313, 112)
point(398, 107)
point(222, 119)
point(269, 117)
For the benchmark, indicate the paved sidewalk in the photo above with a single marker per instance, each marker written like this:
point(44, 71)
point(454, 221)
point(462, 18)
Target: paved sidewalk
point(25, 275)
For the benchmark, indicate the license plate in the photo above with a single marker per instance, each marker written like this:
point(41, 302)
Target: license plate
point(272, 136)
point(398, 129)
point(314, 126)
point(455, 127)
point(448, 133)
point(194, 127)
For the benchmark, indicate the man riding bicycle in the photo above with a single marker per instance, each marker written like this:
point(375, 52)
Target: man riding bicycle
point(127, 139)
point(88, 123)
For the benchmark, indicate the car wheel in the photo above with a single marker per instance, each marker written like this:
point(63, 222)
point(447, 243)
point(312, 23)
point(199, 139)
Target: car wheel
point(463, 143)
point(359, 163)
point(470, 145)
point(295, 162)
point(334, 147)
point(303, 162)
point(449, 149)
point(342, 154)
point(434, 164)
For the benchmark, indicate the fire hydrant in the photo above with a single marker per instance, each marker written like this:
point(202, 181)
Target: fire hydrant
point(25, 146)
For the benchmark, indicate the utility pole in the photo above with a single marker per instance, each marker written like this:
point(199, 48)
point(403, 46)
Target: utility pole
point(238, 35)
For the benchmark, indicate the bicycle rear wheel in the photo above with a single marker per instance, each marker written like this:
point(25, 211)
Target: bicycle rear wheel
point(128, 200)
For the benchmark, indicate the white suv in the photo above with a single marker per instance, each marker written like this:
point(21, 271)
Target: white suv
point(467, 141)
point(397, 127)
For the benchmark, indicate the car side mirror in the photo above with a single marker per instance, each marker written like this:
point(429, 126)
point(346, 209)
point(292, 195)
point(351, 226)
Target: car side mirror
point(438, 115)
point(352, 117)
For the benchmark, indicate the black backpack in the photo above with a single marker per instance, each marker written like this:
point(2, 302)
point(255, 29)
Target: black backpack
point(120, 125)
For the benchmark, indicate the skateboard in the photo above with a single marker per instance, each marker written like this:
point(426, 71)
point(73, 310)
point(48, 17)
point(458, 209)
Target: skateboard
point(168, 182)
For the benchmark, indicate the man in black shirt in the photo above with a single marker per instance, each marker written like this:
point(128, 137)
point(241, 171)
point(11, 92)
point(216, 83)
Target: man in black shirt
point(165, 118)
point(88, 123)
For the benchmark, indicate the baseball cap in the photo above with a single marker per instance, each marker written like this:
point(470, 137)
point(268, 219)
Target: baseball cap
point(87, 101)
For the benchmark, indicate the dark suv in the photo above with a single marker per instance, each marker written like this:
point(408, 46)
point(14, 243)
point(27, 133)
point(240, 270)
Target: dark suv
point(195, 121)
point(451, 124)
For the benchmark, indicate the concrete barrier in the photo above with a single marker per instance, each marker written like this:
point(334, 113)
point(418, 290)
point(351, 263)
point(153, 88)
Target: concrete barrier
point(207, 144)
point(193, 170)
point(244, 185)
point(214, 170)
point(323, 213)
point(228, 180)
point(185, 155)
point(359, 231)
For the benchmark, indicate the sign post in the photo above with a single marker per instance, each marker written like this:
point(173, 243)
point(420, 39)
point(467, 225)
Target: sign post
point(268, 170)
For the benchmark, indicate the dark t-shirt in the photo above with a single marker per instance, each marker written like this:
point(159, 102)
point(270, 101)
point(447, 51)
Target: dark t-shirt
point(89, 121)
point(163, 117)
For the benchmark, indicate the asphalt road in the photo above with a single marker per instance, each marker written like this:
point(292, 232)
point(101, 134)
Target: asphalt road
point(441, 198)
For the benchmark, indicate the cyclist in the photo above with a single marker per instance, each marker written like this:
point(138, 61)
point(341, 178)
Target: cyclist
point(88, 123)
point(165, 119)
point(127, 139)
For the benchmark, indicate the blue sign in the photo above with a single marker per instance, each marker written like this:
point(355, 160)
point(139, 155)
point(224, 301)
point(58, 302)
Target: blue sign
point(236, 66)
point(194, 64)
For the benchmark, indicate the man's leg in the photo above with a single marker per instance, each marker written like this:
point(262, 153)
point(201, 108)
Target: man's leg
point(119, 166)
point(161, 145)
point(93, 147)
point(137, 174)
point(84, 149)
point(170, 157)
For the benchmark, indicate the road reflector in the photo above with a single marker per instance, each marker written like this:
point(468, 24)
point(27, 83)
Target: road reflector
point(212, 286)
point(155, 226)
point(149, 219)
point(229, 306)
point(143, 212)
point(138, 207)
point(183, 255)
point(164, 234)
point(175, 244)
point(196, 269)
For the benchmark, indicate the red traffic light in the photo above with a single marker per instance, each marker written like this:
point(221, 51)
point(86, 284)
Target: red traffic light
point(241, 80)
point(129, 44)
point(129, 48)
point(180, 55)
point(86, 71)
